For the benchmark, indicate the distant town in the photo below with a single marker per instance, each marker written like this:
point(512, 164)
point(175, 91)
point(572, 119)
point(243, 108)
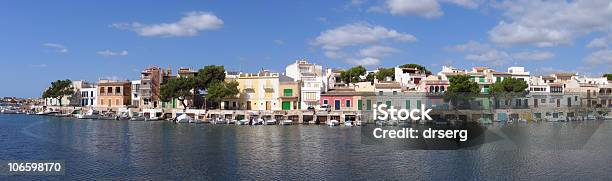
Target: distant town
point(311, 93)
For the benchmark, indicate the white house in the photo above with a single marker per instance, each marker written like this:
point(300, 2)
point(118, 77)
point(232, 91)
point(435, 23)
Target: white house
point(314, 81)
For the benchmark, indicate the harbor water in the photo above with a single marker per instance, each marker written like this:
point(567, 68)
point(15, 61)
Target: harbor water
point(139, 150)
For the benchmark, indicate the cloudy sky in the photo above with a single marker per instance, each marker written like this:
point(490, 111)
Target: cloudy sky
point(41, 41)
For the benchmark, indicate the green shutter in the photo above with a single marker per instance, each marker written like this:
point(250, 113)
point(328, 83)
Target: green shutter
point(359, 106)
point(482, 79)
point(407, 104)
point(173, 103)
point(418, 104)
point(369, 104)
point(388, 103)
point(287, 92)
point(286, 105)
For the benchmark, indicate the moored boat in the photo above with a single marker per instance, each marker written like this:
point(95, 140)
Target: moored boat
point(332, 122)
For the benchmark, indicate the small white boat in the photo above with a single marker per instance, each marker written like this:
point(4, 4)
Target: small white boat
point(348, 123)
point(137, 118)
point(91, 114)
point(231, 121)
point(286, 122)
point(332, 122)
point(258, 121)
point(220, 121)
point(10, 111)
point(357, 123)
point(271, 121)
point(242, 122)
point(47, 112)
point(183, 118)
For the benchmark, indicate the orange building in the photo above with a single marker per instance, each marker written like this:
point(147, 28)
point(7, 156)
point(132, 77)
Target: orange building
point(114, 94)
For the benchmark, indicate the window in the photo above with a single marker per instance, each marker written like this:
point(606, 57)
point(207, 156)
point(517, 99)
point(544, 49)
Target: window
point(418, 104)
point(369, 104)
point(118, 90)
point(110, 90)
point(380, 93)
point(117, 102)
point(359, 105)
point(542, 100)
point(482, 79)
point(347, 103)
point(102, 90)
point(287, 92)
point(325, 102)
point(388, 104)
point(407, 104)
point(394, 92)
point(498, 79)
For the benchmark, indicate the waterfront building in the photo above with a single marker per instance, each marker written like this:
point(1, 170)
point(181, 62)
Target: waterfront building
point(408, 78)
point(387, 87)
point(136, 93)
point(313, 79)
point(89, 96)
point(433, 84)
point(289, 94)
point(259, 91)
point(482, 76)
point(113, 94)
point(151, 79)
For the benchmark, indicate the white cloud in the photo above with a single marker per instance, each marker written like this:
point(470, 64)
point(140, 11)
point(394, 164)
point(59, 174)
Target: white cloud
point(58, 47)
point(112, 53)
point(367, 61)
point(483, 52)
point(355, 34)
point(533, 55)
point(470, 46)
point(279, 42)
point(377, 51)
point(189, 25)
point(425, 8)
point(335, 54)
point(600, 57)
point(360, 44)
point(465, 3)
point(550, 23)
point(495, 57)
point(601, 42)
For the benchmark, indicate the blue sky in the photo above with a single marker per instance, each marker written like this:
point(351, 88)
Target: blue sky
point(41, 41)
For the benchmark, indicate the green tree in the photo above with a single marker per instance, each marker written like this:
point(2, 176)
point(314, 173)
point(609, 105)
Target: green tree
point(180, 88)
point(59, 89)
point(417, 66)
point(352, 75)
point(460, 90)
point(508, 88)
point(609, 76)
point(370, 77)
point(219, 90)
point(383, 73)
point(208, 75)
point(508, 85)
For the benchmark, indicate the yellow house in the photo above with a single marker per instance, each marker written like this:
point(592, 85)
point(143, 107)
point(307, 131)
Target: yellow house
point(259, 91)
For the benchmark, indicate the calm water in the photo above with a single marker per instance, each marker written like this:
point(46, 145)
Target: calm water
point(121, 150)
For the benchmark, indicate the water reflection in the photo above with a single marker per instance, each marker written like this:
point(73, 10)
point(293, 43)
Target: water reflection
point(119, 150)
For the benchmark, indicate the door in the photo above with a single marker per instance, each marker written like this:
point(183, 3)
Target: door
point(337, 104)
point(268, 105)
